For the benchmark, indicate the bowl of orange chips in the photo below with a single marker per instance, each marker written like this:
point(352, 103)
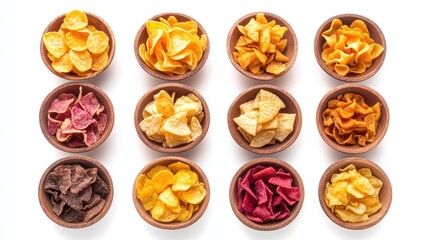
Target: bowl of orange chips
point(172, 118)
point(266, 194)
point(77, 45)
point(264, 119)
point(355, 193)
point(171, 46)
point(171, 192)
point(262, 46)
point(350, 47)
point(352, 118)
point(76, 117)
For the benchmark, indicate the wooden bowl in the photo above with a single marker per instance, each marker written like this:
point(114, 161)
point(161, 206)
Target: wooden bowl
point(292, 106)
point(180, 90)
point(272, 225)
point(142, 36)
point(73, 87)
point(173, 225)
point(291, 50)
point(385, 195)
point(86, 162)
point(375, 33)
point(100, 25)
point(371, 97)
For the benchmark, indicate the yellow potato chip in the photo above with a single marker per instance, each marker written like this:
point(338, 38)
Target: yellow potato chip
point(76, 40)
point(177, 125)
point(161, 180)
point(55, 43)
point(177, 166)
point(148, 197)
point(99, 61)
point(162, 213)
point(152, 124)
point(97, 42)
point(184, 179)
point(195, 128)
point(63, 64)
point(169, 198)
point(75, 20)
point(141, 179)
point(195, 194)
point(81, 60)
point(155, 170)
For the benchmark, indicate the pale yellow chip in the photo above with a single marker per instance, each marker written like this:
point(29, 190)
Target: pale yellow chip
point(286, 122)
point(75, 20)
point(169, 198)
point(262, 138)
point(248, 122)
point(97, 42)
point(177, 125)
point(55, 43)
point(152, 124)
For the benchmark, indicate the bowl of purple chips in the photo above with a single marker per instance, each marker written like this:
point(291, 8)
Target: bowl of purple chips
point(75, 191)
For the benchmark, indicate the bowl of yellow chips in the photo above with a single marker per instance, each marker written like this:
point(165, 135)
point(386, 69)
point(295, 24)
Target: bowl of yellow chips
point(262, 46)
point(76, 117)
point(172, 118)
point(352, 118)
point(75, 191)
point(171, 192)
point(264, 119)
point(171, 46)
point(355, 193)
point(350, 47)
point(77, 45)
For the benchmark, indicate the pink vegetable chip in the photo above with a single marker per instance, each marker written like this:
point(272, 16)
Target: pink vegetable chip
point(264, 174)
point(80, 118)
point(58, 106)
point(89, 103)
point(53, 125)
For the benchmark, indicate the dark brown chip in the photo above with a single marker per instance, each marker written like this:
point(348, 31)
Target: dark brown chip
point(59, 179)
point(73, 215)
point(100, 187)
point(92, 212)
point(95, 199)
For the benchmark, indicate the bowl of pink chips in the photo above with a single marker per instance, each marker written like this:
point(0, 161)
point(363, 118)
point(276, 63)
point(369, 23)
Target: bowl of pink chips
point(266, 194)
point(76, 117)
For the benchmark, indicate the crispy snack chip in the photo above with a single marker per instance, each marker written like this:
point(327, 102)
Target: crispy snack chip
point(172, 47)
point(76, 46)
point(352, 194)
point(261, 46)
point(172, 122)
point(261, 122)
point(349, 49)
point(170, 193)
point(349, 120)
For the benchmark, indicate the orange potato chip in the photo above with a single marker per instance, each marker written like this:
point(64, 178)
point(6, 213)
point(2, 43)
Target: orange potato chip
point(170, 193)
point(260, 121)
point(81, 60)
point(260, 40)
point(63, 64)
point(97, 42)
point(55, 43)
point(75, 20)
point(76, 40)
point(353, 194)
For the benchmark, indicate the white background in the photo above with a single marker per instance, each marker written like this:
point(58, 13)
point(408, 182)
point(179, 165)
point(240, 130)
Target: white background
point(25, 153)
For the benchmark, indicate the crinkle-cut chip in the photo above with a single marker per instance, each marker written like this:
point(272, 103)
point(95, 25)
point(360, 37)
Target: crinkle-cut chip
point(177, 166)
point(62, 64)
point(81, 60)
point(248, 122)
point(177, 125)
point(268, 110)
point(184, 179)
point(55, 43)
point(169, 198)
point(76, 40)
point(195, 194)
point(147, 197)
point(155, 170)
point(152, 124)
point(99, 61)
point(349, 216)
point(75, 20)
point(286, 122)
point(89, 103)
point(161, 180)
point(81, 119)
point(262, 138)
point(97, 42)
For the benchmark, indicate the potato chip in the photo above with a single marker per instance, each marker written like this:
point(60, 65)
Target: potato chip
point(170, 193)
point(349, 120)
point(172, 122)
point(260, 40)
point(352, 194)
point(260, 121)
point(172, 47)
point(90, 46)
point(349, 49)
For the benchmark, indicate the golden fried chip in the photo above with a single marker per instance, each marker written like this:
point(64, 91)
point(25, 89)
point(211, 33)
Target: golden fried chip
point(148, 197)
point(162, 213)
point(63, 64)
point(99, 61)
point(248, 122)
point(177, 166)
point(75, 20)
point(81, 60)
point(161, 180)
point(155, 170)
point(97, 42)
point(152, 124)
point(184, 179)
point(195, 194)
point(76, 40)
point(262, 138)
point(286, 122)
point(169, 198)
point(55, 43)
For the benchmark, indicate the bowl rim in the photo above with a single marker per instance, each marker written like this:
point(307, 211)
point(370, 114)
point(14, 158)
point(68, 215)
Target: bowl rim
point(172, 225)
point(275, 224)
point(355, 77)
point(70, 160)
point(264, 76)
point(157, 146)
point(376, 171)
point(352, 149)
point(161, 75)
point(72, 76)
point(239, 139)
point(53, 94)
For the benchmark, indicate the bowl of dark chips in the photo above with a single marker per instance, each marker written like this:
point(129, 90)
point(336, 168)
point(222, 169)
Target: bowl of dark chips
point(75, 191)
